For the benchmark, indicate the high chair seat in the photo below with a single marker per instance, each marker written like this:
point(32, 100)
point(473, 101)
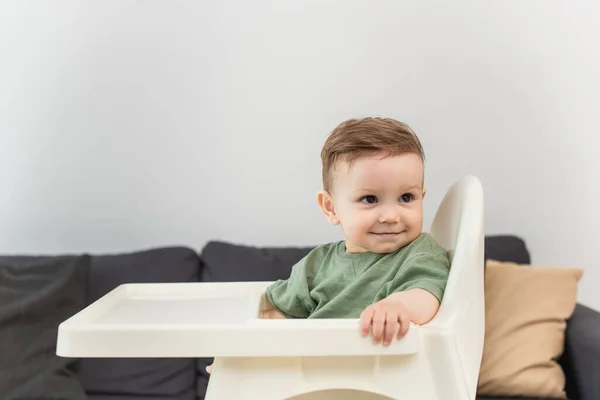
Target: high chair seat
point(303, 359)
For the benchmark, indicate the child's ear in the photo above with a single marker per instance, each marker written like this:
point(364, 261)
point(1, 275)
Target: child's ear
point(326, 203)
point(424, 192)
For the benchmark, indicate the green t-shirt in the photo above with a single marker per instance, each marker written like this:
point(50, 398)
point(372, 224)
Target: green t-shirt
point(331, 283)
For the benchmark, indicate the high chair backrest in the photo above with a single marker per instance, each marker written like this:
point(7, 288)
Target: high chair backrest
point(458, 227)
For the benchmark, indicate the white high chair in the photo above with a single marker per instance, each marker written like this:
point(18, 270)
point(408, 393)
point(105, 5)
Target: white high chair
point(303, 359)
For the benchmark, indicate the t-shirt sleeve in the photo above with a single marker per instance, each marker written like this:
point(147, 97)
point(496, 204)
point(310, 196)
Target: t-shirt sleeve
point(291, 296)
point(428, 271)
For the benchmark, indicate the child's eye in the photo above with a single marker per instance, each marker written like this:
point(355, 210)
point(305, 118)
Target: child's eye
point(406, 198)
point(370, 199)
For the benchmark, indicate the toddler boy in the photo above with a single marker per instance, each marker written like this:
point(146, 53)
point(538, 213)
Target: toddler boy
point(387, 272)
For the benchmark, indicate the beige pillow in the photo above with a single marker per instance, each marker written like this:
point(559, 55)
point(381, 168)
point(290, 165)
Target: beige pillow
point(526, 312)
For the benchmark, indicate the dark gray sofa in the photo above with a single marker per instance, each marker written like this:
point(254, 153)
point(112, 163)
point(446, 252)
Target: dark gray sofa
point(38, 292)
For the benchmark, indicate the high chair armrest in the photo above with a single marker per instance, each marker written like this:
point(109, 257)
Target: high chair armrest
point(581, 359)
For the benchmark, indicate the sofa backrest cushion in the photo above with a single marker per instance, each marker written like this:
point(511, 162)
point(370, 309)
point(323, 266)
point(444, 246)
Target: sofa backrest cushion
point(136, 378)
point(506, 248)
point(36, 295)
point(226, 262)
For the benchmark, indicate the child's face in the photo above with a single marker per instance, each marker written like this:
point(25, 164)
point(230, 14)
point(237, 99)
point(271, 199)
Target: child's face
point(378, 201)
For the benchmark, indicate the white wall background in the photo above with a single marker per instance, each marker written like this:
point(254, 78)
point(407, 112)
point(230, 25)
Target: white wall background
point(128, 124)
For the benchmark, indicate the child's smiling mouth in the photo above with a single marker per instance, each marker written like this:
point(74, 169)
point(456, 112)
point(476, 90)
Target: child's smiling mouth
point(386, 234)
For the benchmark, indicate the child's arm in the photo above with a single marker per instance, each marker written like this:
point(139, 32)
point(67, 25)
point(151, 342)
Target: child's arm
point(290, 298)
point(391, 316)
point(268, 310)
point(413, 295)
point(420, 304)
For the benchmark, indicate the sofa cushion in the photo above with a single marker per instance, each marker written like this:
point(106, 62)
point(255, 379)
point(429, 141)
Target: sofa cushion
point(122, 379)
point(506, 248)
point(526, 313)
point(226, 262)
point(516, 398)
point(581, 359)
point(36, 295)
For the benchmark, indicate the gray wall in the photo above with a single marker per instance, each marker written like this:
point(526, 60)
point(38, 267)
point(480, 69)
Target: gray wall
point(129, 124)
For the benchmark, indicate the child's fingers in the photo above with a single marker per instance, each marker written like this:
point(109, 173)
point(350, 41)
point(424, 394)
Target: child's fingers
point(365, 321)
point(378, 326)
point(391, 327)
point(209, 369)
point(404, 325)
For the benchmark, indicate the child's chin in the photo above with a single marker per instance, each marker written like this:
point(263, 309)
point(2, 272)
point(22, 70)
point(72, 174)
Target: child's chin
point(386, 248)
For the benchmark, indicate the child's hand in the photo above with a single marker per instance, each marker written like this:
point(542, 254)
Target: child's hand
point(385, 320)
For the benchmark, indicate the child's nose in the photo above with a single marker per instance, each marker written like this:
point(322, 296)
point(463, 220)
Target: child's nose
point(389, 217)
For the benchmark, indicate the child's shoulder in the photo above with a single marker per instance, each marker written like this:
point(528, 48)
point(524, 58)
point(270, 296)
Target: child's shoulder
point(325, 250)
point(425, 244)
point(311, 264)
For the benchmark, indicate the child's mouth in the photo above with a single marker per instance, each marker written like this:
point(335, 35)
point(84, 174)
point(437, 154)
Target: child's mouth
point(386, 234)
